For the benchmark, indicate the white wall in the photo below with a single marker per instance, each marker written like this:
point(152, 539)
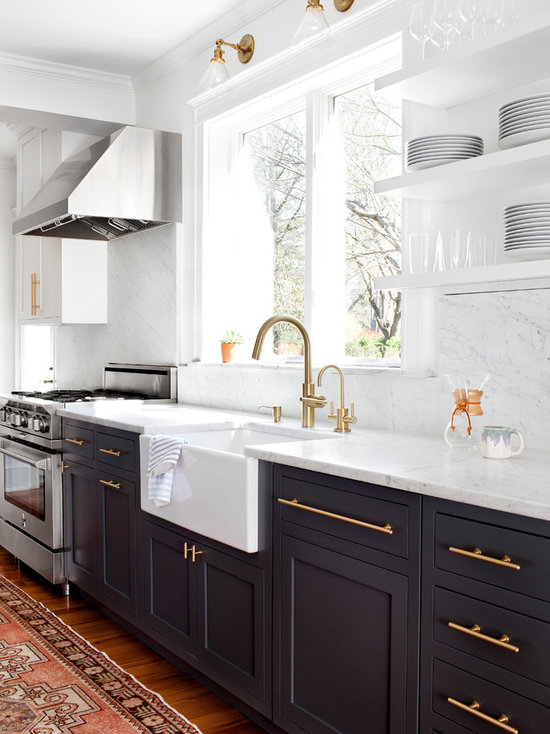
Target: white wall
point(7, 280)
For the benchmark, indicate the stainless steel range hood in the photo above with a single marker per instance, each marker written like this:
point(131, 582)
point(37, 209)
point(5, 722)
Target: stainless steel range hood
point(127, 182)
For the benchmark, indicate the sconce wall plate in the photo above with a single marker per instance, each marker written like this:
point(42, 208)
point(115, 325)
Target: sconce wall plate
point(343, 5)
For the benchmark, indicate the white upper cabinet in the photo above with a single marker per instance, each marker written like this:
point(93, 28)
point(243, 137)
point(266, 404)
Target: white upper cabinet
point(61, 281)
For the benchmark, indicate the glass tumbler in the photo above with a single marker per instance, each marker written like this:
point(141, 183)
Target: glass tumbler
point(454, 244)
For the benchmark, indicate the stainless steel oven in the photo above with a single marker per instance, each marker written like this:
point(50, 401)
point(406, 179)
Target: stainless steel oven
point(30, 491)
point(31, 514)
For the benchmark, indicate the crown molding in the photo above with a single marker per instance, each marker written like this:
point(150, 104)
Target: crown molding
point(227, 24)
point(28, 66)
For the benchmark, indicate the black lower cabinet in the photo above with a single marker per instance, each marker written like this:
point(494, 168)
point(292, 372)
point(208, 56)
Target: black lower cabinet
point(117, 552)
point(81, 526)
point(346, 585)
point(170, 610)
point(209, 608)
point(343, 643)
point(100, 553)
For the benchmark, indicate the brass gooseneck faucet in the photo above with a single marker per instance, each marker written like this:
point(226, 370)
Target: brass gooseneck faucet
point(309, 400)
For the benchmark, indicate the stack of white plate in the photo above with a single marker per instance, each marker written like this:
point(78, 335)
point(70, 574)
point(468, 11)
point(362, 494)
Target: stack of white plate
point(527, 229)
point(436, 150)
point(524, 121)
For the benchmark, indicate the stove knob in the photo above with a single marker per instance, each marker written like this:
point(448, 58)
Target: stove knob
point(24, 420)
point(3, 414)
point(37, 423)
point(16, 419)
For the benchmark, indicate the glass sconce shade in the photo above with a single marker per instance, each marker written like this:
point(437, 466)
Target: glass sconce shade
point(216, 74)
point(313, 23)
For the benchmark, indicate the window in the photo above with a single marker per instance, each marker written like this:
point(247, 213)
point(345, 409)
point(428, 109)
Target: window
point(37, 357)
point(291, 223)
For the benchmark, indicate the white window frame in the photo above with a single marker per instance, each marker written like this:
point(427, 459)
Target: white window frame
point(219, 134)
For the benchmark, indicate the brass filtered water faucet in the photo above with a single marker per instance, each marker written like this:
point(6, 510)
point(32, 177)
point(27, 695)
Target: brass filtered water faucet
point(309, 400)
point(341, 416)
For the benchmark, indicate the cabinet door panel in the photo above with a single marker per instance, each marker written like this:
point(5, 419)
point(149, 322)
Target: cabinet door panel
point(81, 528)
point(344, 647)
point(170, 605)
point(232, 610)
point(117, 514)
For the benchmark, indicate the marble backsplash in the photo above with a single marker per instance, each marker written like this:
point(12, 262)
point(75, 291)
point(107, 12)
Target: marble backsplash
point(143, 312)
point(506, 334)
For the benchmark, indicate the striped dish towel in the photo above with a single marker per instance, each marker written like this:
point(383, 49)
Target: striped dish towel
point(165, 452)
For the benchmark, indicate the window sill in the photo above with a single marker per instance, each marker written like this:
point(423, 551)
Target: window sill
point(298, 366)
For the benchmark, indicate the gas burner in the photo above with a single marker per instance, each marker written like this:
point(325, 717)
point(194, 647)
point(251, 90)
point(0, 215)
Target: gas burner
point(75, 396)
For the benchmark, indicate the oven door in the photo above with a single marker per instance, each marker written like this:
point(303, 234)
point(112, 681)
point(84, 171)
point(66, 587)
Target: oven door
point(30, 491)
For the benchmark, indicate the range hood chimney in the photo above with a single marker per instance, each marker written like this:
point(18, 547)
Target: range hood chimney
point(127, 182)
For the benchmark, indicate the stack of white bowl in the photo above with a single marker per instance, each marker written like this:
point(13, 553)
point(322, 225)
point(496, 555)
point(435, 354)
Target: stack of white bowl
point(437, 150)
point(527, 229)
point(524, 121)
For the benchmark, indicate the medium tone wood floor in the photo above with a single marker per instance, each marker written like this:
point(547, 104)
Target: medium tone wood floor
point(198, 704)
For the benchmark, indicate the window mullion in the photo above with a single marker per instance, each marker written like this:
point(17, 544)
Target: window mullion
point(325, 233)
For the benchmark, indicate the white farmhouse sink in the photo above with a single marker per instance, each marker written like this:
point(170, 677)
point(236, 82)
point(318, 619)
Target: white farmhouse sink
point(224, 483)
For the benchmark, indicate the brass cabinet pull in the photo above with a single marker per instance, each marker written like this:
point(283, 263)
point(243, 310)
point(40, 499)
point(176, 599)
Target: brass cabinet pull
point(478, 554)
point(111, 452)
point(77, 441)
point(475, 631)
point(192, 549)
point(110, 483)
point(36, 304)
point(33, 296)
point(473, 708)
point(64, 466)
point(387, 528)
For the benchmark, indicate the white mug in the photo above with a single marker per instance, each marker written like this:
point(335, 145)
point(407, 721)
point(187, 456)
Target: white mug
point(496, 442)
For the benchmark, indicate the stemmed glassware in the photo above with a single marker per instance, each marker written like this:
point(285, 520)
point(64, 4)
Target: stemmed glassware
point(420, 23)
point(444, 19)
point(436, 21)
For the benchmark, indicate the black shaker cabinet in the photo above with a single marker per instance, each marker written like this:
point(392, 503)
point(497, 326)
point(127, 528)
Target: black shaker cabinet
point(100, 514)
point(346, 596)
point(209, 604)
point(485, 621)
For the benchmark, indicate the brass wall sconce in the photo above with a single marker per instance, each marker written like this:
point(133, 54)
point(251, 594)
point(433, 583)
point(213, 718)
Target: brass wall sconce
point(217, 72)
point(314, 21)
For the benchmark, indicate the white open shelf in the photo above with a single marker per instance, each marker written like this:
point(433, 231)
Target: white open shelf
point(508, 58)
point(501, 273)
point(504, 170)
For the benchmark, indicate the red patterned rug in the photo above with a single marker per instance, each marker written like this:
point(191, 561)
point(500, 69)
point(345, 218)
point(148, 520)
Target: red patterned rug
point(54, 682)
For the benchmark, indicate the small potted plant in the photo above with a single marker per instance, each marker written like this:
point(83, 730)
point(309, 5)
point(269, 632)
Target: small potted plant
point(230, 341)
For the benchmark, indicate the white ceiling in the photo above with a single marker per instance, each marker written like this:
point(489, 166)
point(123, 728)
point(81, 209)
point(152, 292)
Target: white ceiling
point(118, 36)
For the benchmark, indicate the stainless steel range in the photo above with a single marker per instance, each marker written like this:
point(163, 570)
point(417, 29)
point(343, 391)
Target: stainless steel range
point(31, 432)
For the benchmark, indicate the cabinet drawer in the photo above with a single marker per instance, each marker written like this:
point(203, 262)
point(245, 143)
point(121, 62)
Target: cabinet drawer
point(493, 555)
point(78, 441)
point(531, 636)
point(523, 715)
point(115, 451)
point(348, 515)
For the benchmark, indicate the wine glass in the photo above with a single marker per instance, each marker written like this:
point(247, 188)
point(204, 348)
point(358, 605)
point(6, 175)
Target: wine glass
point(443, 18)
point(419, 26)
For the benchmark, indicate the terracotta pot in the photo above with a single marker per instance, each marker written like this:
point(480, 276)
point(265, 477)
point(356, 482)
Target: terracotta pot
point(290, 349)
point(228, 351)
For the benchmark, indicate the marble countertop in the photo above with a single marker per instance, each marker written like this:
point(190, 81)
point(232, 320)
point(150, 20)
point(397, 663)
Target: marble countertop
point(421, 464)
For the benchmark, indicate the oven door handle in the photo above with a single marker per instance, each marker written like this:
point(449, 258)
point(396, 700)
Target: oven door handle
point(40, 464)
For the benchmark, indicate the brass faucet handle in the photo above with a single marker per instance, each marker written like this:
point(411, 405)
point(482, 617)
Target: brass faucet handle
point(314, 401)
point(332, 414)
point(352, 418)
point(276, 409)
